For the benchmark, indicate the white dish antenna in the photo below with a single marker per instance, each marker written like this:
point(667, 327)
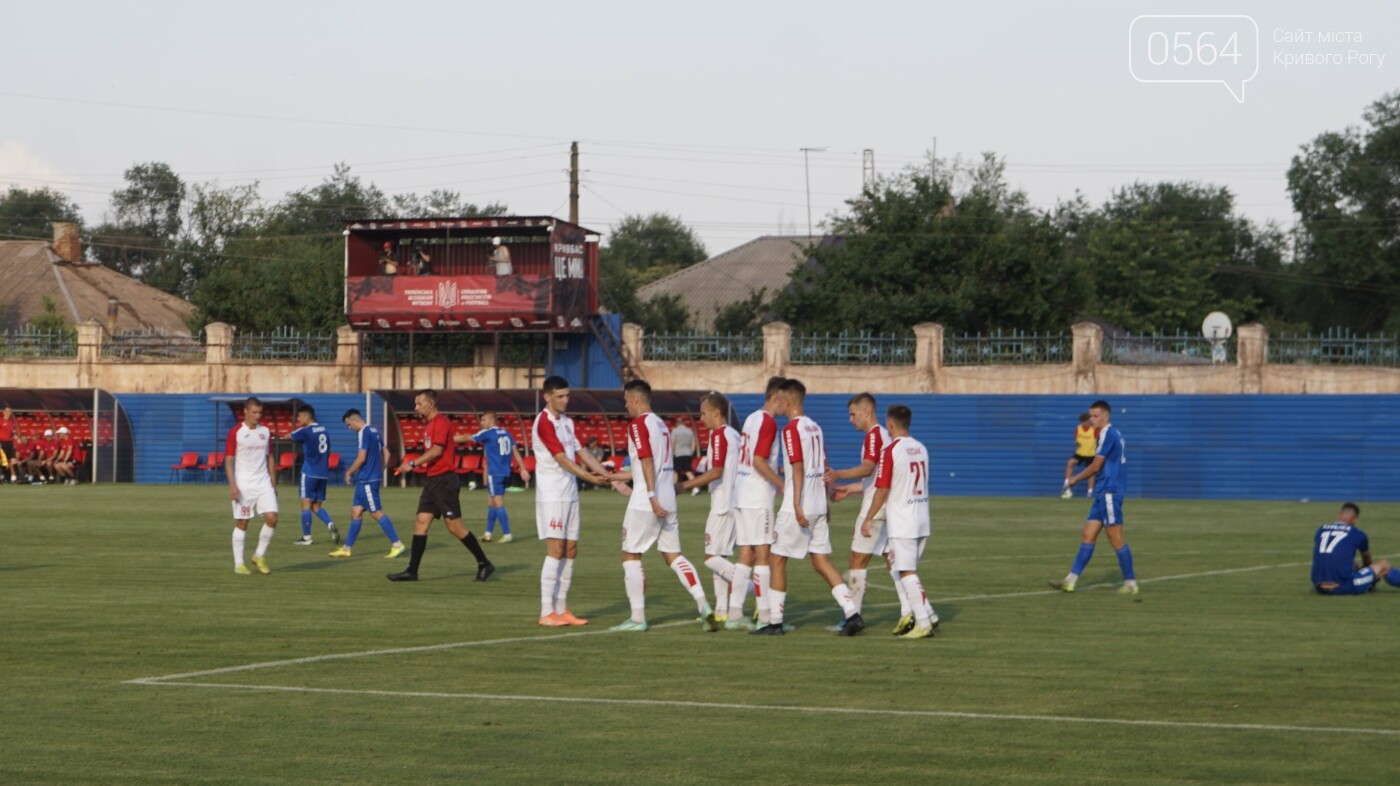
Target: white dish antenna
point(1216, 326)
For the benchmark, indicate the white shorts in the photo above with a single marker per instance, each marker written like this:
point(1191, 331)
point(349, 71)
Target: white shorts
point(719, 534)
point(905, 553)
point(256, 501)
point(753, 526)
point(875, 544)
point(796, 542)
point(557, 520)
point(641, 529)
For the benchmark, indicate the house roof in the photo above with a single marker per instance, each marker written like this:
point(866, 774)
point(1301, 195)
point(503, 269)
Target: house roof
point(32, 271)
point(764, 263)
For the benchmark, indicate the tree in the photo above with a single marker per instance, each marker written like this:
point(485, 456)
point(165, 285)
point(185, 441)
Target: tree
point(663, 314)
point(442, 203)
point(139, 239)
point(915, 249)
point(29, 214)
point(1344, 187)
point(1163, 255)
point(321, 210)
point(742, 316)
point(642, 249)
point(51, 320)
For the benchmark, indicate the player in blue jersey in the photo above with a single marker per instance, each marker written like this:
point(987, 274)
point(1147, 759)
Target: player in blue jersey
point(1110, 472)
point(1335, 547)
point(315, 459)
point(498, 447)
point(365, 474)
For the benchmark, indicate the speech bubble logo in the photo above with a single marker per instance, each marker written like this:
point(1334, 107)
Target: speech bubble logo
point(1187, 48)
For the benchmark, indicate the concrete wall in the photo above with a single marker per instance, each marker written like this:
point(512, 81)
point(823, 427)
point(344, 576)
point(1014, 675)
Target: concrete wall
point(1084, 375)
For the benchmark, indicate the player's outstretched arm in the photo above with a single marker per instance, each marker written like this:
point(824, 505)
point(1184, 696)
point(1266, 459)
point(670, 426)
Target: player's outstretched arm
point(877, 504)
point(798, 470)
point(360, 459)
point(597, 476)
point(1089, 471)
point(766, 471)
point(520, 461)
point(703, 479)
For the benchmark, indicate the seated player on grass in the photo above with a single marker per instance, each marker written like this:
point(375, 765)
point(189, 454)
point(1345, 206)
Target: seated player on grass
point(1334, 547)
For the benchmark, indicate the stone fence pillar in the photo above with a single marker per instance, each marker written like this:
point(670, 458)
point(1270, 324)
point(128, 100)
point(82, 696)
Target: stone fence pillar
point(928, 355)
point(777, 346)
point(1251, 353)
point(218, 343)
point(1088, 349)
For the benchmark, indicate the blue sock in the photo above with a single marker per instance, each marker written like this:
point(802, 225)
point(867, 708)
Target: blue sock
point(1125, 562)
point(353, 533)
point(1392, 577)
point(490, 519)
point(323, 516)
point(388, 527)
point(1081, 560)
point(504, 518)
point(306, 523)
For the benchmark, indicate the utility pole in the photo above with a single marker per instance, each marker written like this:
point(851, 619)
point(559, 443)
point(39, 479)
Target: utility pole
point(933, 162)
point(807, 170)
point(573, 183)
point(867, 168)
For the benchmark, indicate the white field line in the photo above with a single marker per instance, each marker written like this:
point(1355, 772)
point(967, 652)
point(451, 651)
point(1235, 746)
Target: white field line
point(600, 631)
point(711, 705)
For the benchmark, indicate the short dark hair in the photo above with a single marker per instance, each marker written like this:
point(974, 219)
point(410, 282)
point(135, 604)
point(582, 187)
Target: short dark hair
point(861, 398)
point(308, 409)
point(1101, 404)
point(900, 415)
point(718, 401)
point(1353, 507)
point(250, 401)
point(429, 394)
point(553, 383)
point(638, 386)
point(352, 413)
point(1083, 417)
point(794, 387)
point(774, 385)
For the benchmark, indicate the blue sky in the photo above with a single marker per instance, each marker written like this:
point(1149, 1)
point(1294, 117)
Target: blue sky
point(697, 110)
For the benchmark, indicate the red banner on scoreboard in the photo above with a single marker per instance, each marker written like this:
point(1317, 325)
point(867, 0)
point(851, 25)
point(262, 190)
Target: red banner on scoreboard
point(373, 295)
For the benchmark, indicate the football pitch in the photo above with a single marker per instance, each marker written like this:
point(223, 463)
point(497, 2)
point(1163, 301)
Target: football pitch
point(132, 654)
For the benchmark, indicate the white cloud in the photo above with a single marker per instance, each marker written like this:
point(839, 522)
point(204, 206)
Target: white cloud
point(20, 167)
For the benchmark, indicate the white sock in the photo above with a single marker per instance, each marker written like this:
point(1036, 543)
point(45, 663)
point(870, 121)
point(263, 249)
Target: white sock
point(762, 588)
point(842, 594)
point(264, 538)
point(923, 611)
point(904, 607)
point(776, 600)
point(239, 536)
point(690, 579)
point(721, 566)
point(857, 581)
point(549, 585)
point(739, 589)
point(721, 596)
point(636, 583)
point(566, 577)
point(1071, 578)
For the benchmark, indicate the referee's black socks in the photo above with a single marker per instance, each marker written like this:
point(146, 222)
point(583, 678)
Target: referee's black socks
point(415, 554)
point(469, 540)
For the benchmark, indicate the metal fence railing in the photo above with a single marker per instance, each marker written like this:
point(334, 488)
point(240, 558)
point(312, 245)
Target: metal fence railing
point(1161, 349)
point(1007, 347)
point(28, 342)
point(695, 346)
point(154, 345)
point(1337, 346)
point(284, 344)
point(860, 349)
point(432, 349)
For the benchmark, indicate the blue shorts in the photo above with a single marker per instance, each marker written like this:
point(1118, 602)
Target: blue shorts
point(367, 497)
point(313, 489)
point(1108, 509)
point(1362, 581)
point(496, 485)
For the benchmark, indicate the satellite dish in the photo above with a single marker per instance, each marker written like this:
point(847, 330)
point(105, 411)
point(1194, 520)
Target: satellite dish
point(1216, 326)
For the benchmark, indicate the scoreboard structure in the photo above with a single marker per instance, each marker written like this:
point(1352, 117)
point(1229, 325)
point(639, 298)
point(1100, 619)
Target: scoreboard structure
point(502, 274)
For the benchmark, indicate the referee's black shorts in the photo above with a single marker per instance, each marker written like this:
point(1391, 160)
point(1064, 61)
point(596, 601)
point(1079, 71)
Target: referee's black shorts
point(440, 496)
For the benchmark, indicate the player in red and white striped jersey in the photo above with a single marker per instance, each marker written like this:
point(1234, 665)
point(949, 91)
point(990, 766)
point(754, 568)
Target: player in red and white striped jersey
point(901, 490)
point(651, 512)
point(723, 459)
point(801, 529)
point(861, 410)
point(557, 464)
point(252, 484)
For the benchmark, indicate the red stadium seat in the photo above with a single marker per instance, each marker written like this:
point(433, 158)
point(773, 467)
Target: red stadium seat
point(188, 463)
point(212, 462)
point(333, 464)
point(470, 464)
point(285, 463)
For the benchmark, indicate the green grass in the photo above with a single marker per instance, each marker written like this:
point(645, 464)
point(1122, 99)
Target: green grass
point(103, 585)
